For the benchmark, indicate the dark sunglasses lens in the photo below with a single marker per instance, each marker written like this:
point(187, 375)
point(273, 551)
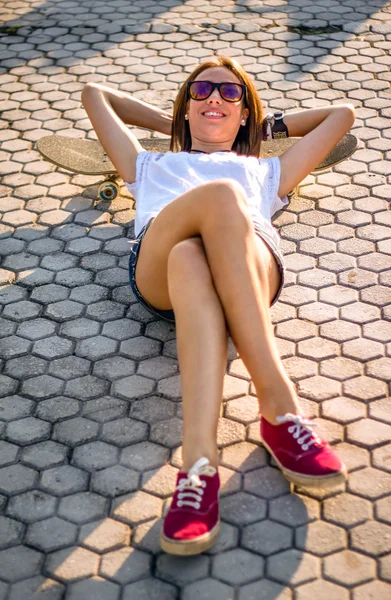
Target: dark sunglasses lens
point(231, 92)
point(199, 90)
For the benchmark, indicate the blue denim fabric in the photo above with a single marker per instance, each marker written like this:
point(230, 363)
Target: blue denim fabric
point(168, 315)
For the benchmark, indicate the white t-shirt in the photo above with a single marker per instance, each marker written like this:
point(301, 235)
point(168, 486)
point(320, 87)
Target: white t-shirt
point(160, 178)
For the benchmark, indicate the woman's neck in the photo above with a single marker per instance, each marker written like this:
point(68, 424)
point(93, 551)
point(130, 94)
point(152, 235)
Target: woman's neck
point(195, 151)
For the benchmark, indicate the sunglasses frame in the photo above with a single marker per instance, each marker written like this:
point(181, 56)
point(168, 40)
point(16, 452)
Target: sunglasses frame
point(218, 86)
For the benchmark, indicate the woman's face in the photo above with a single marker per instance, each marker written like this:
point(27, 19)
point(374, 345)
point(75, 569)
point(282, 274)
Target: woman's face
point(215, 121)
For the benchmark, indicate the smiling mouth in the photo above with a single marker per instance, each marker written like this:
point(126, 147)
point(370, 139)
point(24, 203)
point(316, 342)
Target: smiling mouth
point(211, 114)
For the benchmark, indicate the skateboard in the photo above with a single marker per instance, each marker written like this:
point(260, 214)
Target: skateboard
point(87, 157)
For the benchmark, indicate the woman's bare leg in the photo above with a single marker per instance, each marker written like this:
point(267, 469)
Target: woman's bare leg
point(202, 345)
point(239, 264)
point(241, 269)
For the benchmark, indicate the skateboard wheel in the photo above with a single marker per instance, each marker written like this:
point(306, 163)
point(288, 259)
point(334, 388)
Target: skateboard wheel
point(108, 191)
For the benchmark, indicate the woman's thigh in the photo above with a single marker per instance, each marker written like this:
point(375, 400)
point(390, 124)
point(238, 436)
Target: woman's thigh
point(181, 219)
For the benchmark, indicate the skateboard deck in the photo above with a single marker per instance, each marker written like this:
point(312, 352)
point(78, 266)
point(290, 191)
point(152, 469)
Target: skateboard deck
point(87, 157)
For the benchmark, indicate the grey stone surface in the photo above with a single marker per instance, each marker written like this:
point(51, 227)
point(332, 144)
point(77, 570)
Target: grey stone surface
point(90, 418)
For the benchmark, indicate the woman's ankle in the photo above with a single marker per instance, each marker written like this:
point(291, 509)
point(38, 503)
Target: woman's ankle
point(274, 405)
point(190, 458)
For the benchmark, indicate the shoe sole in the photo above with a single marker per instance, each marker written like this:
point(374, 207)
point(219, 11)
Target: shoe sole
point(314, 481)
point(190, 547)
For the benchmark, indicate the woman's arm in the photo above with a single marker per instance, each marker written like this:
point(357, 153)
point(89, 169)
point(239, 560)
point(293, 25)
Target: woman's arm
point(301, 122)
point(324, 129)
point(109, 112)
point(136, 112)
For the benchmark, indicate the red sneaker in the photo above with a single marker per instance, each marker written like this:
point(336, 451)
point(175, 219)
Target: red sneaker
point(192, 524)
point(303, 457)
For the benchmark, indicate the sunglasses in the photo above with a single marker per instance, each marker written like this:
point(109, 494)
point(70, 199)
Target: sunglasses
point(201, 90)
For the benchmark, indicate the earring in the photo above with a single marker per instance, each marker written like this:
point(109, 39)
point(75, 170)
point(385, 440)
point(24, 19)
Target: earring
point(243, 121)
point(187, 117)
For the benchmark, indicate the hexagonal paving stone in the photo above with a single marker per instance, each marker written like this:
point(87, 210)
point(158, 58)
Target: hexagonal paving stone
point(347, 510)
point(95, 348)
point(365, 388)
point(229, 431)
point(266, 537)
point(371, 591)
point(86, 387)
point(320, 538)
point(149, 589)
point(144, 456)
point(19, 562)
point(43, 386)
point(322, 590)
point(8, 453)
point(115, 367)
point(243, 508)
point(75, 431)
point(72, 563)
point(10, 532)
point(343, 410)
point(382, 458)
point(132, 387)
point(114, 481)
point(362, 349)
point(104, 409)
point(293, 567)
point(372, 538)
point(104, 535)
point(95, 455)
point(349, 568)
point(51, 534)
point(136, 508)
point(340, 368)
point(53, 347)
point(124, 431)
point(31, 506)
point(15, 407)
point(168, 433)
point(318, 388)
point(208, 588)
point(55, 409)
point(244, 409)
point(160, 482)
point(44, 586)
point(82, 507)
point(93, 587)
point(125, 565)
point(16, 478)
point(368, 433)
point(237, 566)
point(243, 457)
point(152, 409)
point(44, 455)
point(64, 480)
point(382, 509)
point(27, 431)
point(182, 570)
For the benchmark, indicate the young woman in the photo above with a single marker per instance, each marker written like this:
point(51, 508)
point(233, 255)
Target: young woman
point(207, 258)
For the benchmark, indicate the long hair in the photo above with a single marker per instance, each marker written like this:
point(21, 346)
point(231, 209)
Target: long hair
point(248, 139)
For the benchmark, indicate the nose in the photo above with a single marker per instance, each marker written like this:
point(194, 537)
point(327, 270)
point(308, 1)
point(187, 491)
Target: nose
point(215, 95)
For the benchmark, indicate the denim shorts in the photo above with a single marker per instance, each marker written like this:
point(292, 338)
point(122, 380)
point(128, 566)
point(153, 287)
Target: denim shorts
point(168, 315)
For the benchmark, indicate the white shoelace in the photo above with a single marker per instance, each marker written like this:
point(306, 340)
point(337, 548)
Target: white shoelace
point(301, 429)
point(192, 486)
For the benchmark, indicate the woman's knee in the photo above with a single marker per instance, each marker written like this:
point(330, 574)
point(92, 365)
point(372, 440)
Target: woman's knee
point(227, 200)
point(188, 258)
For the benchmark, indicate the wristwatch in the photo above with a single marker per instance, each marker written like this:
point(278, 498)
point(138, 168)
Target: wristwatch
point(274, 126)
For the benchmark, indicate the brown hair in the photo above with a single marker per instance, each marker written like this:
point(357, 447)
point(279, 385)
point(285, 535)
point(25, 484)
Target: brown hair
point(248, 139)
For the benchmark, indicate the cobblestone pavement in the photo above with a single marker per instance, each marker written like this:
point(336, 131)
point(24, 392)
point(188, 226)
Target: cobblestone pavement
point(90, 413)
